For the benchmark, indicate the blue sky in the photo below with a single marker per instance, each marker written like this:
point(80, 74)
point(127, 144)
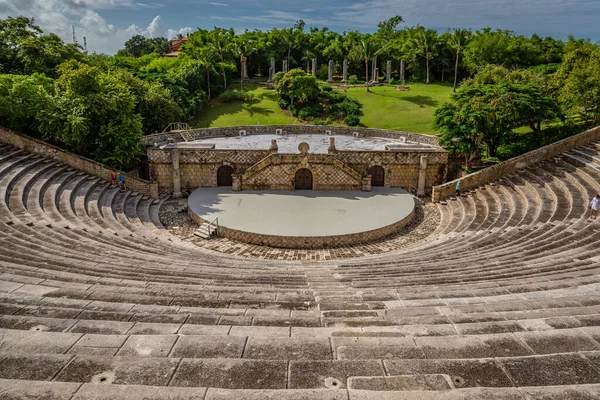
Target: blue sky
point(107, 24)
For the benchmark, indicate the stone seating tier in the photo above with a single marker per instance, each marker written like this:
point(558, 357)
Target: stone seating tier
point(501, 301)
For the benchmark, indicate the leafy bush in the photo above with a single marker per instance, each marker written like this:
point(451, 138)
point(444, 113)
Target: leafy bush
point(352, 120)
point(321, 121)
point(284, 104)
point(230, 96)
point(311, 111)
point(326, 88)
point(323, 72)
point(353, 80)
point(395, 81)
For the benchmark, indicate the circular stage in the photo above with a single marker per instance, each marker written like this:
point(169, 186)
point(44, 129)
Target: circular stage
point(303, 219)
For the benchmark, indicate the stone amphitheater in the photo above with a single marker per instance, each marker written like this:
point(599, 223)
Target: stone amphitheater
point(500, 301)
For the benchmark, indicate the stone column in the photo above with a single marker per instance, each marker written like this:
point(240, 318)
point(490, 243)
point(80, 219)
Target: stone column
point(330, 75)
point(272, 70)
point(402, 67)
point(331, 148)
point(274, 148)
point(374, 67)
point(245, 68)
point(366, 183)
point(236, 182)
point(176, 176)
point(422, 176)
point(388, 72)
point(314, 67)
point(376, 76)
point(285, 66)
point(345, 78)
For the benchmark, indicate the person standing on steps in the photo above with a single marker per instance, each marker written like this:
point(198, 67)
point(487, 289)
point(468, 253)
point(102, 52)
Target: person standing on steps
point(121, 180)
point(457, 188)
point(594, 206)
point(113, 177)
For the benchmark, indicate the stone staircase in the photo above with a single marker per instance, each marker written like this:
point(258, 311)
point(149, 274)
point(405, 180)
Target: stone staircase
point(99, 301)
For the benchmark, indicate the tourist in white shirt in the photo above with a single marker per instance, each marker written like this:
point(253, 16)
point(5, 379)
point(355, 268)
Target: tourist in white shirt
point(595, 205)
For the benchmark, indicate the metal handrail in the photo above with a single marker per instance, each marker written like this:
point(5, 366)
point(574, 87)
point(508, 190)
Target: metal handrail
point(211, 224)
point(176, 126)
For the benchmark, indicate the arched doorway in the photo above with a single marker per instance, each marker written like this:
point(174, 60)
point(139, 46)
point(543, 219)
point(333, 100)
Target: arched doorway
point(224, 176)
point(377, 175)
point(303, 179)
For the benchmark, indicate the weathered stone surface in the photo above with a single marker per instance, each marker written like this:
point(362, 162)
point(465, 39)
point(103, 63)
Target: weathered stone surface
point(231, 374)
point(563, 369)
point(119, 370)
point(91, 391)
point(224, 394)
point(37, 342)
point(472, 346)
point(562, 341)
point(463, 373)
point(209, 347)
point(400, 383)
point(38, 367)
point(148, 346)
point(288, 348)
point(330, 374)
point(17, 390)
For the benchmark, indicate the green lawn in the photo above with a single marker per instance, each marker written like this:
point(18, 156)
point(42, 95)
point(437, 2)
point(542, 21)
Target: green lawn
point(412, 111)
point(262, 111)
point(384, 107)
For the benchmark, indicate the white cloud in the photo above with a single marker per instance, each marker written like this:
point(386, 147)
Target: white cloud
point(219, 4)
point(58, 16)
point(172, 33)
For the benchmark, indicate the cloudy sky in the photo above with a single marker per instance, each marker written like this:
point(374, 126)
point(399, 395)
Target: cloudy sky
point(107, 24)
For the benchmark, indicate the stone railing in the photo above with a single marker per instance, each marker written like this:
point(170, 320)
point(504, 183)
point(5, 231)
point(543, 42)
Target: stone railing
point(273, 129)
point(86, 165)
point(497, 171)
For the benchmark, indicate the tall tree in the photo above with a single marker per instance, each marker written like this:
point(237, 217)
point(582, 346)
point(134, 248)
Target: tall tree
point(242, 47)
point(367, 48)
point(219, 41)
point(458, 39)
point(207, 56)
point(425, 40)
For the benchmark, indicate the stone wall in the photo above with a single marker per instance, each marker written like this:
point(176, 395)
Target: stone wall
point(307, 242)
point(271, 129)
point(341, 170)
point(86, 165)
point(495, 172)
point(277, 172)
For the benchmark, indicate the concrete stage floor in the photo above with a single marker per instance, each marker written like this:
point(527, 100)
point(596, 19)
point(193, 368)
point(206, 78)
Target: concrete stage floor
point(302, 213)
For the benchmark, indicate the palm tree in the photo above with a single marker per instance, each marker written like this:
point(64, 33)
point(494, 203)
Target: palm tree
point(291, 36)
point(207, 56)
point(426, 39)
point(307, 56)
point(458, 40)
point(241, 48)
point(367, 49)
point(219, 42)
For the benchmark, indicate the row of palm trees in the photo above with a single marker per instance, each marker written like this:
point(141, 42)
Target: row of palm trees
point(220, 44)
point(424, 39)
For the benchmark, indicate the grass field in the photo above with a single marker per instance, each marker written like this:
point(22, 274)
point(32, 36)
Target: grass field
point(384, 107)
point(261, 111)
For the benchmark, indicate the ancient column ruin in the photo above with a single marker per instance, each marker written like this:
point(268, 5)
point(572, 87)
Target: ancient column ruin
point(314, 67)
point(345, 71)
point(272, 71)
point(388, 71)
point(330, 75)
point(402, 67)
